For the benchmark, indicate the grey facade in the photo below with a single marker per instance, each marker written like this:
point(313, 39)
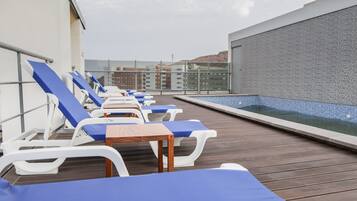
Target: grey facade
point(314, 59)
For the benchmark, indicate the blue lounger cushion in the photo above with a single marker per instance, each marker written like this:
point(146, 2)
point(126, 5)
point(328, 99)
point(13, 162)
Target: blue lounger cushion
point(79, 80)
point(159, 108)
point(178, 128)
point(82, 84)
point(138, 94)
point(51, 83)
point(194, 185)
point(129, 91)
point(142, 100)
point(101, 87)
point(75, 113)
point(184, 128)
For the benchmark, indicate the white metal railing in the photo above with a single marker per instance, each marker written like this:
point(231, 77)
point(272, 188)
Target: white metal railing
point(19, 52)
point(193, 77)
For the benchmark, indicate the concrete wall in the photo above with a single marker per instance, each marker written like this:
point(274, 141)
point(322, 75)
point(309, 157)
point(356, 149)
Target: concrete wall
point(313, 59)
point(43, 27)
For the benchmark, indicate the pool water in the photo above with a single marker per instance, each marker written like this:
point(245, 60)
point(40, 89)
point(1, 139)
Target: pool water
point(330, 116)
point(319, 122)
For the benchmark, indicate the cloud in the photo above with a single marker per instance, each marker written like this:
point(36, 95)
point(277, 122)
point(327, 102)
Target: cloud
point(153, 29)
point(243, 7)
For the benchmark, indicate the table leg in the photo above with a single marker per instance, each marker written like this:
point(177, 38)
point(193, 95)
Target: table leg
point(160, 156)
point(108, 163)
point(170, 153)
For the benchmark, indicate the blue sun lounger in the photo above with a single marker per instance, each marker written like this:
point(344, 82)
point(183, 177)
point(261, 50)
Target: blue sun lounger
point(82, 84)
point(88, 129)
point(99, 88)
point(231, 182)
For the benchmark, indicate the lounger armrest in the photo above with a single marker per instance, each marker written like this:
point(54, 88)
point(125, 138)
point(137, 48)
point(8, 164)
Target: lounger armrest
point(111, 94)
point(121, 98)
point(115, 101)
point(118, 100)
point(148, 97)
point(84, 97)
point(101, 112)
point(66, 152)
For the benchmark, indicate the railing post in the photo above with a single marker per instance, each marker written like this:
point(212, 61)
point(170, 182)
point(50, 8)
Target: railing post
point(21, 93)
point(136, 76)
point(229, 78)
point(160, 78)
point(108, 82)
point(198, 80)
point(185, 78)
point(208, 78)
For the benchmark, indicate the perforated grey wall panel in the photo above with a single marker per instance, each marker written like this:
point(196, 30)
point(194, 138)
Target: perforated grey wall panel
point(311, 60)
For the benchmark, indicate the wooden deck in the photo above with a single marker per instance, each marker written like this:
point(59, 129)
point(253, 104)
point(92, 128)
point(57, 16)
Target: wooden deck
point(295, 168)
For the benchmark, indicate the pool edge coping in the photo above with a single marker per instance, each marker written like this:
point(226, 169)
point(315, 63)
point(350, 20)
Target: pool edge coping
point(331, 137)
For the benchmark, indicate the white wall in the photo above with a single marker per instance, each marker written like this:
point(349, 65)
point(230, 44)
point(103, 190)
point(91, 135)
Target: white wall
point(41, 26)
point(77, 60)
point(76, 43)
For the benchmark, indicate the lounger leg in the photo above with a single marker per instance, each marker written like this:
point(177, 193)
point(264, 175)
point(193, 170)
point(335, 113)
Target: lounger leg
point(108, 163)
point(186, 161)
point(160, 157)
point(30, 168)
point(170, 154)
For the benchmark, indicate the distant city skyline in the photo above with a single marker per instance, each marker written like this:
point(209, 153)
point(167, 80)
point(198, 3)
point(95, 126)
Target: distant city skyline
point(156, 29)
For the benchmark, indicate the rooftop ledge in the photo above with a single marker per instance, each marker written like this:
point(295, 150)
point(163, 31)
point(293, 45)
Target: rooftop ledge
point(327, 136)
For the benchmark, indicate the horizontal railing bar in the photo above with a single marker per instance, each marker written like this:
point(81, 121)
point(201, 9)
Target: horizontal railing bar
point(176, 90)
point(9, 83)
point(25, 52)
point(162, 72)
point(19, 115)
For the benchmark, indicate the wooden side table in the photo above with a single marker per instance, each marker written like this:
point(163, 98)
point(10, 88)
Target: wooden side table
point(142, 133)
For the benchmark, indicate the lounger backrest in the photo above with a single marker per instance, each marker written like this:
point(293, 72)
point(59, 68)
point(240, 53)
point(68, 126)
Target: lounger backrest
point(51, 83)
point(79, 80)
point(101, 87)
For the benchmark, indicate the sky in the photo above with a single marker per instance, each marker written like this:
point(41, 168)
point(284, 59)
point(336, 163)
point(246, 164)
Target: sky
point(154, 30)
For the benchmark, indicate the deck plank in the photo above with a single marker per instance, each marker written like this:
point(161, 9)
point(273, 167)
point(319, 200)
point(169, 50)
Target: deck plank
point(294, 167)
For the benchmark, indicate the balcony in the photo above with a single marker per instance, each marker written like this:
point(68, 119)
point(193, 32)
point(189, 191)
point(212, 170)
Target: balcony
point(287, 164)
point(294, 167)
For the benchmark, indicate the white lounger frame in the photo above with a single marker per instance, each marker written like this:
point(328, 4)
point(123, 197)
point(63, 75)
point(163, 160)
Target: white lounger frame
point(112, 90)
point(80, 152)
point(27, 139)
point(80, 137)
point(114, 98)
point(187, 161)
point(66, 152)
point(128, 100)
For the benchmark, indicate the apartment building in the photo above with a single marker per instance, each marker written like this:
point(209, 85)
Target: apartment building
point(178, 76)
point(129, 78)
point(158, 77)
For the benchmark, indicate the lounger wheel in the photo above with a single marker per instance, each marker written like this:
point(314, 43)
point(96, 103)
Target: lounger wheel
point(188, 161)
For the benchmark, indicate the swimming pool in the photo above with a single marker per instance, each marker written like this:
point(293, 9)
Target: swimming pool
point(339, 118)
point(331, 122)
